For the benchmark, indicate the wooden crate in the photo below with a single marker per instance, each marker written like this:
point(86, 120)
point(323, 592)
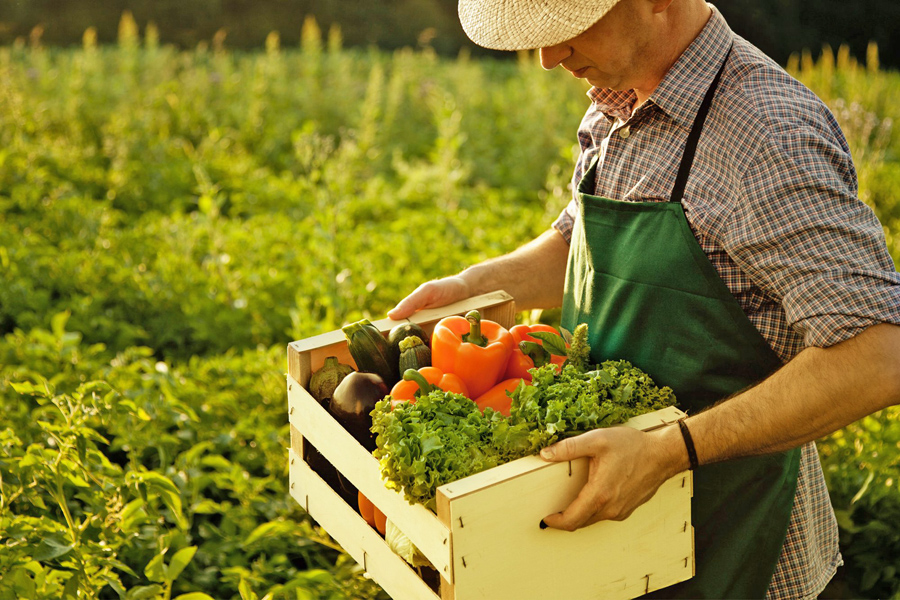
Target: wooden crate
point(485, 540)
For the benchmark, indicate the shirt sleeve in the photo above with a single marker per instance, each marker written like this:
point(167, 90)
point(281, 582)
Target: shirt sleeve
point(589, 139)
point(802, 234)
point(566, 220)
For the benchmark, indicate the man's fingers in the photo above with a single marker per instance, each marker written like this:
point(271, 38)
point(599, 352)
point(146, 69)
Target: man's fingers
point(420, 298)
point(431, 294)
point(567, 449)
point(583, 510)
point(404, 308)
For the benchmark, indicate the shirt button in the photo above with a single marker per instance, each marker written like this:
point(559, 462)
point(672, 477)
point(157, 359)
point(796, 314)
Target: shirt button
point(624, 133)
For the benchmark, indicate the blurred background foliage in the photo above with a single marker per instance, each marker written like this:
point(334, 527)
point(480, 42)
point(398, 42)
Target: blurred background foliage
point(778, 27)
point(170, 218)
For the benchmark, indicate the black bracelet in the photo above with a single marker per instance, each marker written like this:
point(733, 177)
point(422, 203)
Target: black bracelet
point(689, 442)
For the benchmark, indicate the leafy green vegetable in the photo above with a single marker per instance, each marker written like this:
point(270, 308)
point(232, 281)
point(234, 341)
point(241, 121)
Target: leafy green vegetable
point(444, 436)
point(440, 438)
point(579, 351)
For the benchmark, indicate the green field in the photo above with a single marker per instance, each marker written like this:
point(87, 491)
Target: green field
point(169, 221)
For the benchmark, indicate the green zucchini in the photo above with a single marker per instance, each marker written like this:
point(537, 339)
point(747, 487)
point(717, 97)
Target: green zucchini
point(414, 354)
point(402, 331)
point(371, 351)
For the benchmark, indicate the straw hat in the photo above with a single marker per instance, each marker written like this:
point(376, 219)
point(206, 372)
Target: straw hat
point(528, 24)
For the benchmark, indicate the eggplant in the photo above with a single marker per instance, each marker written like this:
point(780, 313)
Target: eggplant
point(351, 405)
point(324, 469)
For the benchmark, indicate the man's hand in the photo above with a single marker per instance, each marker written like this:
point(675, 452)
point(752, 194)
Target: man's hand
point(626, 468)
point(431, 294)
point(533, 274)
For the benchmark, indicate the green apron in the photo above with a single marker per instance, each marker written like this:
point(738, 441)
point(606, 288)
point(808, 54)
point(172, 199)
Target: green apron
point(640, 280)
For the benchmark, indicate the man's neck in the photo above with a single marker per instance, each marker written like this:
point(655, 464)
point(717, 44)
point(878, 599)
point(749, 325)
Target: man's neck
point(688, 21)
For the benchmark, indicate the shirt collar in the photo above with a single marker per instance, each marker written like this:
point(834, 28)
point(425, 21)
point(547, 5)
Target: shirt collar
point(681, 91)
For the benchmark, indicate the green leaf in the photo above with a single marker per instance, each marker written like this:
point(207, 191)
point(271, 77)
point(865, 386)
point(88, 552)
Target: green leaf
point(206, 507)
point(179, 562)
point(168, 493)
point(58, 323)
point(145, 592)
point(71, 588)
point(272, 528)
point(194, 596)
point(133, 515)
point(120, 566)
point(156, 569)
point(24, 388)
point(77, 480)
point(113, 582)
point(216, 462)
point(553, 343)
point(22, 582)
point(246, 592)
point(50, 548)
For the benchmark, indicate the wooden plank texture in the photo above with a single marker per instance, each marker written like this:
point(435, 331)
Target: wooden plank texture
point(354, 462)
point(354, 535)
point(500, 552)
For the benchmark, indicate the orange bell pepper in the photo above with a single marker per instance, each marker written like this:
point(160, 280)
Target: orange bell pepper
point(519, 362)
point(380, 522)
point(498, 397)
point(374, 517)
point(366, 508)
point(475, 350)
point(423, 381)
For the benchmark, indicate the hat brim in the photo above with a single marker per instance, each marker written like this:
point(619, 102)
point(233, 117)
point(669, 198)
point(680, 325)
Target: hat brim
point(528, 24)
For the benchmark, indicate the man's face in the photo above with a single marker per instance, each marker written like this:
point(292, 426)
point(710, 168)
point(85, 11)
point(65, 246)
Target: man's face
point(611, 52)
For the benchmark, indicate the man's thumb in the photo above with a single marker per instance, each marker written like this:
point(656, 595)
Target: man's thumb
point(558, 451)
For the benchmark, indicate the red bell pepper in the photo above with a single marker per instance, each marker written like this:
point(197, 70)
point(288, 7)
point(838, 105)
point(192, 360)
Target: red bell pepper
point(519, 362)
point(475, 350)
point(423, 381)
point(498, 397)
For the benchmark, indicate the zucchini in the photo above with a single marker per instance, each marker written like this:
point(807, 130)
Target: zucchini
point(414, 354)
point(401, 332)
point(371, 351)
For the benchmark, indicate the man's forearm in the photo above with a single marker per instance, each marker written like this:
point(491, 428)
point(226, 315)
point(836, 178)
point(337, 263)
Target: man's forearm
point(533, 274)
point(818, 392)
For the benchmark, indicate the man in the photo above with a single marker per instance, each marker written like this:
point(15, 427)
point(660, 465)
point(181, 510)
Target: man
point(715, 240)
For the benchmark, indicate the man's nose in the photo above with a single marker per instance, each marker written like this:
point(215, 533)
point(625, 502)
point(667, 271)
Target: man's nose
point(551, 56)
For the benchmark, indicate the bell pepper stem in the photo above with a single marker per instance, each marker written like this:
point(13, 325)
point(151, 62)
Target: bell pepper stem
point(474, 336)
point(425, 388)
point(536, 352)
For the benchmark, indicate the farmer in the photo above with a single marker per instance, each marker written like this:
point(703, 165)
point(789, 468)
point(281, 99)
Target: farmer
point(716, 241)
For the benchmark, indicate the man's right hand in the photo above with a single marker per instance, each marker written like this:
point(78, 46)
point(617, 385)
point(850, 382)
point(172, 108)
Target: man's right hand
point(432, 294)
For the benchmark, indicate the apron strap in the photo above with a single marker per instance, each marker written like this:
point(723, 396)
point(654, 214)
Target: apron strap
point(690, 147)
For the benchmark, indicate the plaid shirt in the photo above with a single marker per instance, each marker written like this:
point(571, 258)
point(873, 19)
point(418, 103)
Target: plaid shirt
point(772, 200)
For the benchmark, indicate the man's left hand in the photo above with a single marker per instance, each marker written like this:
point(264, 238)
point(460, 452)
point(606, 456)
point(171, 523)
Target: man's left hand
point(626, 467)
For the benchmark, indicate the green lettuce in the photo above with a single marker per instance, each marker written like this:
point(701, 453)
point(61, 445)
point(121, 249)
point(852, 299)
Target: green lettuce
point(443, 436)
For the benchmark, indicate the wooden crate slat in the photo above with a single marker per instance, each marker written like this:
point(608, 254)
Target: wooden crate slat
point(307, 355)
point(528, 464)
point(497, 540)
point(656, 419)
point(354, 462)
point(354, 535)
